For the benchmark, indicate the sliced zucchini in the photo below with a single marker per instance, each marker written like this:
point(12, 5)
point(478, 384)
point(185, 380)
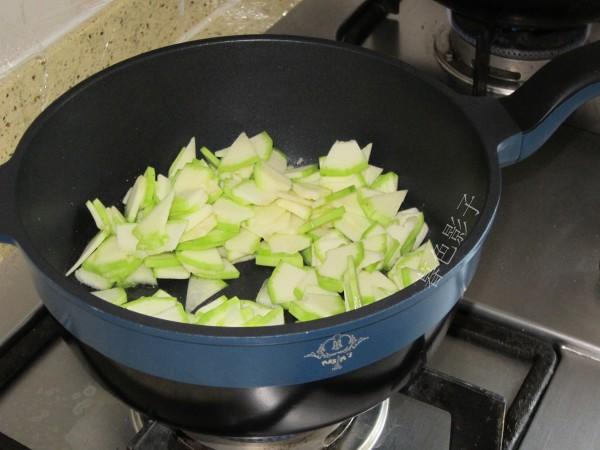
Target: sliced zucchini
point(387, 182)
point(277, 161)
point(171, 273)
point(228, 211)
point(135, 199)
point(263, 145)
point(344, 158)
point(239, 155)
point(92, 279)
point(250, 193)
point(283, 281)
point(382, 208)
point(116, 296)
point(288, 243)
point(199, 290)
point(186, 154)
point(269, 179)
point(243, 244)
point(371, 173)
point(200, 230)
point(316, 306)
point(90, 248)
point(296, 173)
point(208, 259)
point(210, 157)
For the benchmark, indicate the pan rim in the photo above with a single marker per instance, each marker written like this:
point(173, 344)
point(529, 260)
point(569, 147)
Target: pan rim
point(184, 331)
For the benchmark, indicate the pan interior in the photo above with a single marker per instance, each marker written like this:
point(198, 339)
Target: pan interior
point(306, 95)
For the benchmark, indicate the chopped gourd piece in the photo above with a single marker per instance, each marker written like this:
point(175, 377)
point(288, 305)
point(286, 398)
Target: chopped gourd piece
point(150, 176)
point(243, 244)
point(283, 281)
point(387, 182)
point(352, 225)
point(199, 290)
point(327, 228)
point(239, 155)
point(228, 211)
point(382, 208)
point(208, 259)
point(344, 158)
point(277, 160)
point(90, 248)
point(316, 306)
point(352, 298)
point(175, 314)
point(366, 151)
point(141, 276)
point(162, 188)
point(288, 243)
point(151, 230)
point(150, 306)
point(251, 194)
point(200, 230)
point(371, 173)
point(187, 202)
point(210, 157)
point(186, 155)
point(116, 296)
point(298, 209)
point(228, 272)
point(269, 179)
point(263, 145)
point(214, 238)
point(263, 297)
point(171, 273)
point(135, 199)
point(273, 317)
point(327, 217)
point(296, 173)
point(92, 279)
point(99, 214)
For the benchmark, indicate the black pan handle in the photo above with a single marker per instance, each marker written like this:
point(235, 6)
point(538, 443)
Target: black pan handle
point(7, 205)
point(529, 116)
point(361, 23)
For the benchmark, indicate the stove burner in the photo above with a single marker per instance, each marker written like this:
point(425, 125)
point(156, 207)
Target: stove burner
point(522, 44)
point(494, 60)
point(358, 433)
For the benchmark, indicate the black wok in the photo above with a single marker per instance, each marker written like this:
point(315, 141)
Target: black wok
point(447, 150)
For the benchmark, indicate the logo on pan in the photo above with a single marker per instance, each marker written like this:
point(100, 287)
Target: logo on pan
point(336, 350)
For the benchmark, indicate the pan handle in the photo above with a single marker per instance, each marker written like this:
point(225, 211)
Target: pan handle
point(8, 225)
point(545, 101)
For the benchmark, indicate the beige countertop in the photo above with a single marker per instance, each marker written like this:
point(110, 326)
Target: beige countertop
point(121, 29)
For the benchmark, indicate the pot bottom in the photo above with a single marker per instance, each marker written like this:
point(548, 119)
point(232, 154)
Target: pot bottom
point(360, 432)
point(267, 411)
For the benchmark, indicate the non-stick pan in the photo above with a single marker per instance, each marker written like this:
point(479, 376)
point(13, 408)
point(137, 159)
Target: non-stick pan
point(447, 150)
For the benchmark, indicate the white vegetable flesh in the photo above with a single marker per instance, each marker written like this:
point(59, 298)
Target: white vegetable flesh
point(333, 232)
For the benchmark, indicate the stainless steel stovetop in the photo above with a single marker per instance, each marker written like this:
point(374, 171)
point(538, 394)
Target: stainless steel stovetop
point(539, 272)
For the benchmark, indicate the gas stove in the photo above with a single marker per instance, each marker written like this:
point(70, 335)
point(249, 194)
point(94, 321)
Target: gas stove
point(520, 365)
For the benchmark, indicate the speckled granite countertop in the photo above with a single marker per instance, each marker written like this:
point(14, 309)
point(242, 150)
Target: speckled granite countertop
point(120, 30)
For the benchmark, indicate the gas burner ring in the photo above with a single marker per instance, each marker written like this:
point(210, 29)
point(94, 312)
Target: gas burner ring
point(521, 44)
point(348, 435)
point(514, 54)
